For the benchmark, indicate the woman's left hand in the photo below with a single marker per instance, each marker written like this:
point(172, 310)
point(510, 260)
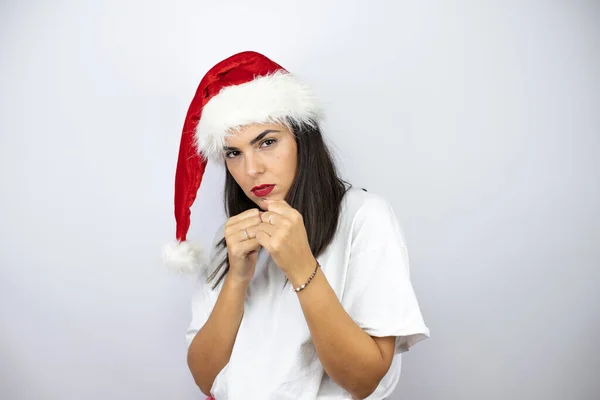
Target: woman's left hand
point(283, 235)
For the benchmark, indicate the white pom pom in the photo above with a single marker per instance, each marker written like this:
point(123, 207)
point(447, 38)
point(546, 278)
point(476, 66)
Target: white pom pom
point(184, 257)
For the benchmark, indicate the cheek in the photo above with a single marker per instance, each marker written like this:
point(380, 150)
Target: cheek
point(237, 174)
point(290, 161)
point(293, 163)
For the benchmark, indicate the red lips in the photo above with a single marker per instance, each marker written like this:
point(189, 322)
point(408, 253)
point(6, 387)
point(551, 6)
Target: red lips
point(262, 190)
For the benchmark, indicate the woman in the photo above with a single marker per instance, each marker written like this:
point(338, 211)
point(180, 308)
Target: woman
point(307, 293)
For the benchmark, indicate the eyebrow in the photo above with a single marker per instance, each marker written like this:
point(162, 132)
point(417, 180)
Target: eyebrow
point(253, 141)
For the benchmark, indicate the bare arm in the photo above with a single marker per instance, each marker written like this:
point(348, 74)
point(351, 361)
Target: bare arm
point(353, 359)
point(211, 348)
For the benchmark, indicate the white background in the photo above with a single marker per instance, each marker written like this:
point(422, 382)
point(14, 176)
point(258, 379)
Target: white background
point(478, 120)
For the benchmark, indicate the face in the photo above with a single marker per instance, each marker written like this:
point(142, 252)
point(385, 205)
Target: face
point(262, 158)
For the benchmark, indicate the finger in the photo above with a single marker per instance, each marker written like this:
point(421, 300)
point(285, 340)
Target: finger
point(266, 228)
point(235, 229)
point(244, 234)
point(252, 230)
point(253, 212)
point(274, 218)
point(246, 223)
point(248, 246)
point(264, 239)
point(281, 207)
point(240, 236)
point(267, 217)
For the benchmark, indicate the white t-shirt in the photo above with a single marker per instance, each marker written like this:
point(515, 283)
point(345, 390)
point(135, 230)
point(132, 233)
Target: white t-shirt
point(367, 266)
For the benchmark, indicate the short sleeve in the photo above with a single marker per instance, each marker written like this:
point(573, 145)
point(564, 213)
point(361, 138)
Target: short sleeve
point(204, 297)
point(378, 294)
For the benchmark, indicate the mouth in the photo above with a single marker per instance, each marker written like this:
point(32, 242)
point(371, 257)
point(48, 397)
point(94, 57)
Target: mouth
point(262, 190)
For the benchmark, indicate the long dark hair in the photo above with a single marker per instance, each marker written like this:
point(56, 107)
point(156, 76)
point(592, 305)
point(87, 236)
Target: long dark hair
point(316, 192)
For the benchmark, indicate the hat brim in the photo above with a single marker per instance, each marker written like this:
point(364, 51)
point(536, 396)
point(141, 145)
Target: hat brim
point(275, 98)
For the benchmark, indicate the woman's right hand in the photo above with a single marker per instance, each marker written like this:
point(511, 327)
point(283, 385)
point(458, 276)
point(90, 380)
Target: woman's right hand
point(242, 251)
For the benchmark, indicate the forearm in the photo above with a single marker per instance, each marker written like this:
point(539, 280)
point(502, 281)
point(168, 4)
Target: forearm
point(350, 356)
point(211, 348)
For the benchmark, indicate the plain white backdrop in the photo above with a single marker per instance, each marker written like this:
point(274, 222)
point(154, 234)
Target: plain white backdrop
point(478, 120)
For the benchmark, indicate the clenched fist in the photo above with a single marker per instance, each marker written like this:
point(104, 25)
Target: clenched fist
point(242, 245)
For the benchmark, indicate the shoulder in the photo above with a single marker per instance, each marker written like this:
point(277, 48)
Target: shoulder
point(367, 207)
point(371, 217)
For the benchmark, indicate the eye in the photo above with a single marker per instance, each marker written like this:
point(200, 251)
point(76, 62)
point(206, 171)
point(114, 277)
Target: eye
point(232, 154)
point(268, 142)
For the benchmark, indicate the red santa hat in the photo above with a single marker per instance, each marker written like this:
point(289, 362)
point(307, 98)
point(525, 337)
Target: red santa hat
point(243, 89)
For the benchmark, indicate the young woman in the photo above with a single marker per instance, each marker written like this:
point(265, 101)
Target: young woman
point(306, 293)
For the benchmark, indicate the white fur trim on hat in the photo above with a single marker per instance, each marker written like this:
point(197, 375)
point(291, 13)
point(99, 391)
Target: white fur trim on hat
point(269, 98)
point(184, 257)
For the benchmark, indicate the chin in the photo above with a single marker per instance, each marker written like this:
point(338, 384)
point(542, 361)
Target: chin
point(263, 204)
point(259, 202)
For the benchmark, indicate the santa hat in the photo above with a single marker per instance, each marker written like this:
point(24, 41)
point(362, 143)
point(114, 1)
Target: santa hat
point(242, 89)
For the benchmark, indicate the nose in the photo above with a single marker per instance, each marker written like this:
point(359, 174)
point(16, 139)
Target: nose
point(253, 164)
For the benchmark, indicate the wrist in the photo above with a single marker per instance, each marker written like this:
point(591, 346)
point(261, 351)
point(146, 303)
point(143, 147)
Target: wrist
point(236, 284)
point(302, 273)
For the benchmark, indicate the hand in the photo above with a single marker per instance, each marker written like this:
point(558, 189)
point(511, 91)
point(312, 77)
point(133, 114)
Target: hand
point(242, 250)
point(283, 235)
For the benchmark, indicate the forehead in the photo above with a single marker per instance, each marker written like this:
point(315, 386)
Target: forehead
point(243, 135)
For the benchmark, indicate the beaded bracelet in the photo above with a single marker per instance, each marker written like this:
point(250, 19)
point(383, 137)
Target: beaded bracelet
point(309, 279)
